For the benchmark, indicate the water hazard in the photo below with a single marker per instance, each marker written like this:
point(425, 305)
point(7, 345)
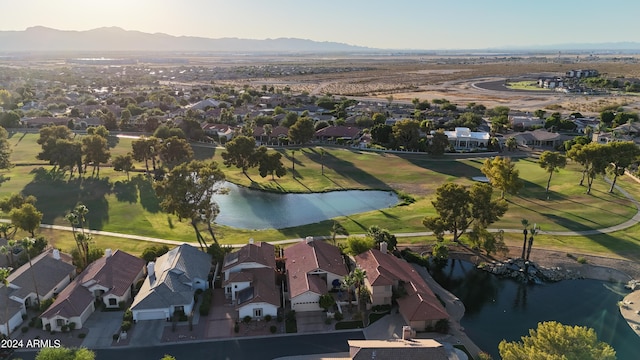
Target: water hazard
point(253, 209)
point(499, 309)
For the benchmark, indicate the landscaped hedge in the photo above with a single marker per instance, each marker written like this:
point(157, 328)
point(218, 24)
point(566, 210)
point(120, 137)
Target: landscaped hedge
point(414, 257)
point(344, 325)
point(205, 306)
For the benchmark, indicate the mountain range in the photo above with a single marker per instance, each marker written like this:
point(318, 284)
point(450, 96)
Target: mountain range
point(107, 39)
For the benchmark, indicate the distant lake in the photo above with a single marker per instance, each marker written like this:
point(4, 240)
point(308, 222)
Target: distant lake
point(499, 309)
point(245, 208)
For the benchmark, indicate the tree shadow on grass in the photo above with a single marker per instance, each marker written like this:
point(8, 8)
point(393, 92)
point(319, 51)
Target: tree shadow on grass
point(148, 198)
point(347, 170)
point(447, 166)
point(58, 196)
point(126, 191)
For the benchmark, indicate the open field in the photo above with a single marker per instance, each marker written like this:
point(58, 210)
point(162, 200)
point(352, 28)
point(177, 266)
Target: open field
point(130, 206)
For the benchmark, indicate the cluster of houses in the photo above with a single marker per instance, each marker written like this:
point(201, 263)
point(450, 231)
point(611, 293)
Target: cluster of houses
point(563, 83)
point(250, 279)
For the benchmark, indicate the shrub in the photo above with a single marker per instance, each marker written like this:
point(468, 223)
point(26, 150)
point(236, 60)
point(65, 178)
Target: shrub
point(344, 325)
point(236, 328)
point(82, 335)
point(48, 327)
point(72, 326)
point(128, 315)
point(25, 329)
point(279, 318)
point(64, 328)
point(24, 317)
point(442, 326)
point(338, 316)
point(125, 326)
point(122, 305)
point(268, 318)
point(291, 315)
point(247, 319)
point(327, 321)
point(581, 260)
point(273, 329)
point(115, 337)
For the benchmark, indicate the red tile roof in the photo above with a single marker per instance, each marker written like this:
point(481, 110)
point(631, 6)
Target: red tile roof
point(420, 303)
point(261, 253)
point(264, 286)
point(338, 131)
point(304, 257)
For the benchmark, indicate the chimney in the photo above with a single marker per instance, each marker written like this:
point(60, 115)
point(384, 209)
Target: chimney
point(151, 268)
point(107, 252)
point(250, 240)
point(383, 247)
point(308, 239)
point(56, 254)
point(407, 333)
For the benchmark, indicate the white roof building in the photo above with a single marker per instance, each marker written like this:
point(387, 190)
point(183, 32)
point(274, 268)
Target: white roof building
point(464, 138)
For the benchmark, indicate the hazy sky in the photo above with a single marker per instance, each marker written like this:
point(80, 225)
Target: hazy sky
point(388, 24)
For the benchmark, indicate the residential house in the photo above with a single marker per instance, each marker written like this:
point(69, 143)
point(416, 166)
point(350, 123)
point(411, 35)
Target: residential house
point(539, 138)
point(220, 130)
point(396, 349)
point(331, 133)
point(49, 272)
point(550, 83)
point(387, 274)
point(525, 121)
point(255, 292)
point(583, 123)
point(171, 283)
point(250, 256)
point(109, 280)
point(463, 138)
point(581, 73)
point(313, 268)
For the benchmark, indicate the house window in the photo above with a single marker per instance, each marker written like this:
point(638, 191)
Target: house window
point(113, 302)
point(60, 322)
point(228, 289)
point(257, 313)
point(179, 309)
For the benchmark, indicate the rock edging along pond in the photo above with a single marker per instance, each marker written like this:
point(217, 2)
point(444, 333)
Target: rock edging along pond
point(528, 272)
point(247, 208)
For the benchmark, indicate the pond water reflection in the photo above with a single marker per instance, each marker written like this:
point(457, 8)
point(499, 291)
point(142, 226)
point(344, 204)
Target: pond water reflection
point(253, 209)
point(499, 309)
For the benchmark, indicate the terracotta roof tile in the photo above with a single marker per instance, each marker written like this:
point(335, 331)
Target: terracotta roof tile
point(304, 257)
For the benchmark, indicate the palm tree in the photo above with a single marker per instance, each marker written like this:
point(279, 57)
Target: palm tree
point(358, 276)
point(4, 276)
point(337, 229)
point(348, 282)
point(4, 229)
point(532, 233)
point(77, 219)
point(525, 231)
point(26, 244)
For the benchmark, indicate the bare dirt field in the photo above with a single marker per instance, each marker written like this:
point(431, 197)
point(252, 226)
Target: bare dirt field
point(459, 80)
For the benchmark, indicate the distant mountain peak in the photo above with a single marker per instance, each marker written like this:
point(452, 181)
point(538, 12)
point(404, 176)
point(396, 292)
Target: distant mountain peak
point(113, 38)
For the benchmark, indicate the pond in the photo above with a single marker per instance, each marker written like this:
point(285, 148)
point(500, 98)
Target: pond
point(499, 309)
point(245, 208)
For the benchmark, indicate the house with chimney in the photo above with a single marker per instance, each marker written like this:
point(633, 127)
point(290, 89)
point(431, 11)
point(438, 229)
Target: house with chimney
point(48, 274)
point(387, 274)
point(171, 283)
point(250, 280)
point(314, 267)
point(109, 280)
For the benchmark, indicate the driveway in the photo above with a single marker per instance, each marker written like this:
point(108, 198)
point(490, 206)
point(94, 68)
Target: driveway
point(222, 316)
point(147, 333)
point(102, 326)
point(313, 321)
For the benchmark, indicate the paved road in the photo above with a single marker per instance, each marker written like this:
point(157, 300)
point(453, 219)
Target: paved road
point(264, 348)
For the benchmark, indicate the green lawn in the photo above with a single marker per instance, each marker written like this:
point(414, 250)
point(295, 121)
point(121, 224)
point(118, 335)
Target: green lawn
point(130, 206)
point(525, 85)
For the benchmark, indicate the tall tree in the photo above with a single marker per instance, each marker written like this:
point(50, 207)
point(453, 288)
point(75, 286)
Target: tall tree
point(4, 280)
point(380, 235)
point(337, 229)
point(174, 151)
point(123, 163)
point(623, 154)
point(5, 149)
point(439, 143)
point(96, 151)
point(187, 192)
point(551, 162)
point(26, 217)
point(502, 174)
point(27, 245)
point(47, 139)
point(241, 152)
point(270, 163)
point(594, 157)
point(407, 133)
point(458, 208)
point(145, 149)
point(525, 232)
point(302, 131)
point(553, 340)
point(77, 219)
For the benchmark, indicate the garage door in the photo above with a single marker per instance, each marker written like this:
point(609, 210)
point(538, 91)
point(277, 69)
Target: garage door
point(151, 315)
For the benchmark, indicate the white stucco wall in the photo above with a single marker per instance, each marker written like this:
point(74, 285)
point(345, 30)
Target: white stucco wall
point(267, 309)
